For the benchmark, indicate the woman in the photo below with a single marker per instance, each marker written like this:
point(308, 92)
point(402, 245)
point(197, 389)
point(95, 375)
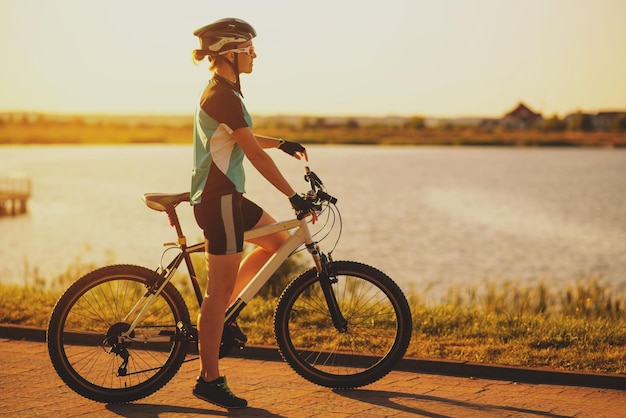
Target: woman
point(222, 137)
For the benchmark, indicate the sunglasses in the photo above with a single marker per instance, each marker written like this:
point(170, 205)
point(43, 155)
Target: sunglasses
point(248, 50)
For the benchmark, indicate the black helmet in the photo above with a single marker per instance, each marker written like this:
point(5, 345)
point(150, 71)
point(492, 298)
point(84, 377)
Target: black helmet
point(224, 35)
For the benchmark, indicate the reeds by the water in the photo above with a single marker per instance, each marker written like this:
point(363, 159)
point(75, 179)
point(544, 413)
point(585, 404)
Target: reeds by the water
point(586, 298)
point(579, 327)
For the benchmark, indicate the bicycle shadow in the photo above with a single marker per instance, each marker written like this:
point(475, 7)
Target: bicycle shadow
point(155, 410)
point(386, 399)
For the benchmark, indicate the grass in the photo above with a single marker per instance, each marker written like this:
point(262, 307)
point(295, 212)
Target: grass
point(579, 328)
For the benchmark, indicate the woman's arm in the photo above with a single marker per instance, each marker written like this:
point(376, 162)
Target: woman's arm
point(252, 147)
point(267, 141)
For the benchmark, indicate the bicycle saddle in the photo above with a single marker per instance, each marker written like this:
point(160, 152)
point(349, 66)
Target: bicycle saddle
point(164, 201)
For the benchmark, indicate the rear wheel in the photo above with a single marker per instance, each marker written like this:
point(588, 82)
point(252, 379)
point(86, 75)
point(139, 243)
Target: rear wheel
point(84, 332)
point(376, 335)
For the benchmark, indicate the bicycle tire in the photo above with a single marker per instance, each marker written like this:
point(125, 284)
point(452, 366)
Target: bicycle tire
point(378, 331)
point(87, 318)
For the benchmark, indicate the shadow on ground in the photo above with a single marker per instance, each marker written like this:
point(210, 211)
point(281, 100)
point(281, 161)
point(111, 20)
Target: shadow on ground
point(155, 410)
point(401, 401)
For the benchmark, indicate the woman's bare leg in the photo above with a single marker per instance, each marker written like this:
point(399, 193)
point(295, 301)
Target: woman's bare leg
point(253, 261)
point(228, 275)
point(222, 270)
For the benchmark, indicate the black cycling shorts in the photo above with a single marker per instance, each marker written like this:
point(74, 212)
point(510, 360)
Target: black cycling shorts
point(224, 220)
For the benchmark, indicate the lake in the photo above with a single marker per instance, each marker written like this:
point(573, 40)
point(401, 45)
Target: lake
point(433, 218)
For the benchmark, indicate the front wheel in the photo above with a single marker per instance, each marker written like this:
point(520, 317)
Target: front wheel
point(374, 336)
point(87, 328)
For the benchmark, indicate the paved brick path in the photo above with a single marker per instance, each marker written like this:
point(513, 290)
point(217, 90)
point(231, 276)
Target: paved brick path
point(29, 387)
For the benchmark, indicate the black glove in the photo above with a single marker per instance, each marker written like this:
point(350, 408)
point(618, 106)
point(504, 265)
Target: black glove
point(302, 206)
point(291, 148)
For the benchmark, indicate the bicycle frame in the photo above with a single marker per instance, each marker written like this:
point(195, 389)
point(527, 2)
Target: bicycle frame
point(300, 236)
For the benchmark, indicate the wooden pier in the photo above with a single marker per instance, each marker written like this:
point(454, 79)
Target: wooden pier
point(14, 194)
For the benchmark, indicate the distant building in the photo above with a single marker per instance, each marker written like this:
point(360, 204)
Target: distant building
point(579, 121)
point(607, 121)
point(521, 118)
point(602, 121)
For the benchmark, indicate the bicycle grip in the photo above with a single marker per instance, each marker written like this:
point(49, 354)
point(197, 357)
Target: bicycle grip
point(325, 196)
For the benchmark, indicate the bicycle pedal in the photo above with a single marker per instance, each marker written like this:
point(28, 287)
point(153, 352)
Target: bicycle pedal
point(232, 329)
point(189, 332)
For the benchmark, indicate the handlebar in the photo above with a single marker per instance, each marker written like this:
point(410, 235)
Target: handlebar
point(316, 196)
point(322, 195)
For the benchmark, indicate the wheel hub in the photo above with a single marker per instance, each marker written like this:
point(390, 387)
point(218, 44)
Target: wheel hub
point(112, 340)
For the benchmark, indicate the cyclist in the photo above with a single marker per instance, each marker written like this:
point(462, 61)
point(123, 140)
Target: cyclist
point(223, 136)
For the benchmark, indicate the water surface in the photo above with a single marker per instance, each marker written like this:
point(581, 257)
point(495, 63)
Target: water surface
point(432, 218)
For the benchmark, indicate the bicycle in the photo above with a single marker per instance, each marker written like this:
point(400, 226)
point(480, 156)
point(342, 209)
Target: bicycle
point(121, 332)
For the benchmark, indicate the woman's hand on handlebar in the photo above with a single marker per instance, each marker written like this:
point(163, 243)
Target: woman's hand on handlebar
point(294, 149)
point(303, 207)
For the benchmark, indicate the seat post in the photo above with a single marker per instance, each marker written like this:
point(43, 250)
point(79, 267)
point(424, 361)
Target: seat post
point(173, 217)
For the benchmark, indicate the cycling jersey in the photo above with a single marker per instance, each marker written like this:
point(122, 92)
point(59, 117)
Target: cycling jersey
point(218, 178)
point(217, 158)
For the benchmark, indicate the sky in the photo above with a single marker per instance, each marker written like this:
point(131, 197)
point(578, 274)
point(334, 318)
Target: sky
point(437, 58)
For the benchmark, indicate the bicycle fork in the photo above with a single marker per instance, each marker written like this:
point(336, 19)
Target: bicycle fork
point(327, 279)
